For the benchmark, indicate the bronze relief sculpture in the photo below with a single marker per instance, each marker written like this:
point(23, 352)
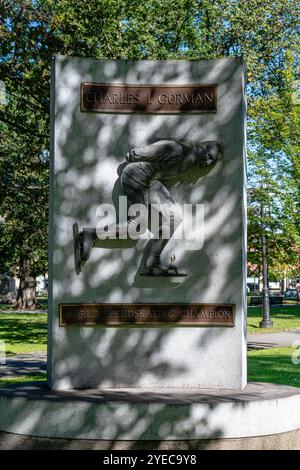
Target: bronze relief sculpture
point(146, 178)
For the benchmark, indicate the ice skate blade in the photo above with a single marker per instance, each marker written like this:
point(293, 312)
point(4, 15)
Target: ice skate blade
point(77, 257)
point(163, 274)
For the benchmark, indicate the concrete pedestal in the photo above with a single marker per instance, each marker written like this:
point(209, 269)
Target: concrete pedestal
point(34, 416)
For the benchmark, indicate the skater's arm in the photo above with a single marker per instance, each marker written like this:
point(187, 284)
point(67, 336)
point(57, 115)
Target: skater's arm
point(161, 150)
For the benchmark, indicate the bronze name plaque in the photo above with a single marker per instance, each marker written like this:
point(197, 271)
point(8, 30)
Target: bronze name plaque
point(157, 99)
point(146, 314)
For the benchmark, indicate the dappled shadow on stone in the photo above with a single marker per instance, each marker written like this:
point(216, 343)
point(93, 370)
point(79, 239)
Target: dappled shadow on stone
point(86, 175)
point(129, 419)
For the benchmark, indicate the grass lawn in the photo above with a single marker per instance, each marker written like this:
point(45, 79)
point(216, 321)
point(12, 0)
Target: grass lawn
point(22, 379)
point(22, 332)
point(284, 318)
point(274, 365)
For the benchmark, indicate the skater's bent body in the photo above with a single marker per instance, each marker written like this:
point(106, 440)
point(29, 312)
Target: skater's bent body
point(150, 172)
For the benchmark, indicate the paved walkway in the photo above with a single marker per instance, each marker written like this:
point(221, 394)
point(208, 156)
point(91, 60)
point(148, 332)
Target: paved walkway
point(281, 339)
point(24, 364)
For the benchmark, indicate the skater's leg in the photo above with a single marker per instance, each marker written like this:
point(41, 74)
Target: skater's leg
point(135, 194)
point(87, 238)
point(169, 220)
point(83, 243)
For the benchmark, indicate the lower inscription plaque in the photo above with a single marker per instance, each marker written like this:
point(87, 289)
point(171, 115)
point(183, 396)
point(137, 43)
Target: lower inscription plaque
point(146, 314)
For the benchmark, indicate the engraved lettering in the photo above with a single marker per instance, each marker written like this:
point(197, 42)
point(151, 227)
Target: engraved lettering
point(172, 98)
point(106, 314)
point(209, 98)
point(89, 97)
point(115, 98)
point(154, 99)
point(162, 99)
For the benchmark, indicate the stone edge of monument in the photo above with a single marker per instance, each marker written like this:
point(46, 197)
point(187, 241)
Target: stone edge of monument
point(54, 380)
point(125, 415)
point(283, 441)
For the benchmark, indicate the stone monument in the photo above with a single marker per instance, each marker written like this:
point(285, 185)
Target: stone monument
point(147, 277)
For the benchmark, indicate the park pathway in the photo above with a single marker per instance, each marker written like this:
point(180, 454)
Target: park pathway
point(23, 364)
point(280, 339)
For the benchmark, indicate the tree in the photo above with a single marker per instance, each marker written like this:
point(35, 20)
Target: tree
point(23, 193)
point(273, 179)
point(24, 140)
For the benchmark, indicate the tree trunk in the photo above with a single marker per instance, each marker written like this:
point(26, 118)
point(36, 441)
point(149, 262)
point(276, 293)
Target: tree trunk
point(26, 296)
point(266, 321)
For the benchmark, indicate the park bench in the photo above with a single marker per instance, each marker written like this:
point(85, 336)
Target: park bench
point(255, 300)
point(276, 300)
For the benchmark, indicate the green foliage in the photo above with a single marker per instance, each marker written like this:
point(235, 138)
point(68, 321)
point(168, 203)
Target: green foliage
point(265, 33)
point(24, 130)
point(274, 156)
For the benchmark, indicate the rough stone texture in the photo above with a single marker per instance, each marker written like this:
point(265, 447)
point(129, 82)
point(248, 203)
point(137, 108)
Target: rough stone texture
point(147, 415)
point(253, 391)
point(284, 441)
point(87, 149)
